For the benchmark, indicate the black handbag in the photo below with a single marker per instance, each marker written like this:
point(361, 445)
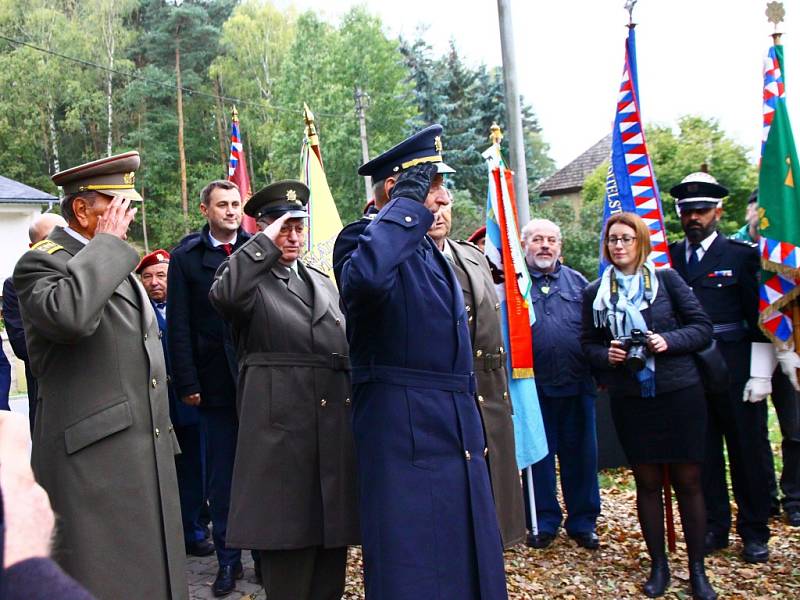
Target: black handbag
point(712, 366)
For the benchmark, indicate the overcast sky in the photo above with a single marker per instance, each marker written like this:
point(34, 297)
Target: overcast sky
point(699, 57)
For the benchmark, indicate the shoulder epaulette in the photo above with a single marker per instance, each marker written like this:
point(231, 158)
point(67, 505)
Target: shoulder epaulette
point(318, 270)
point(744, 243)
point(48, 246)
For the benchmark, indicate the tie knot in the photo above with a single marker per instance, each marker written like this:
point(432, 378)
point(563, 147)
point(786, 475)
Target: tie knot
point(161, 305)
point(695, 246)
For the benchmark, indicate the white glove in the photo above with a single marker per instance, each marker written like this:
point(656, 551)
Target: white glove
point(789, 362)
point(757, 389)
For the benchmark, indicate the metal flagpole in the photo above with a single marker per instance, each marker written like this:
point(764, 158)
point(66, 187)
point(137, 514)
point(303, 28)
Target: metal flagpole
point(531, 500)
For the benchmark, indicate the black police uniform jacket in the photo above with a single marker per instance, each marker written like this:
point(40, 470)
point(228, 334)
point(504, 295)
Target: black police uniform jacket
point(202, 357)
point(294, 473)
point(726, 284)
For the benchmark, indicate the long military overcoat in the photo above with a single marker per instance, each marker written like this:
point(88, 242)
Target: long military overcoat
point(294, 475)
point(103, 445)
point(428, 520)
point(489, 360)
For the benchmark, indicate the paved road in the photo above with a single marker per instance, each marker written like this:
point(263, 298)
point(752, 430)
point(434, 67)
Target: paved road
point(201, 573)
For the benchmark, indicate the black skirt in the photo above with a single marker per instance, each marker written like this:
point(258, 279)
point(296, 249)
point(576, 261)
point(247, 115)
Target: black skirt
point(669, 428)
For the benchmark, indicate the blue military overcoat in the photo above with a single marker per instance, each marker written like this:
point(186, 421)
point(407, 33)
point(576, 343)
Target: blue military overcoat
point(428, 521)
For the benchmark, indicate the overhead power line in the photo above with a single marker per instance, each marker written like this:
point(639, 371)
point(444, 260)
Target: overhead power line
point(189, 91)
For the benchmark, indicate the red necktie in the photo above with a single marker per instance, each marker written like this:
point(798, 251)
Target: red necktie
point(228, 248)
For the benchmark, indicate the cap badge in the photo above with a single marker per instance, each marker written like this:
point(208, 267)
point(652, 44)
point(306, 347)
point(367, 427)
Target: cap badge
point(291, 196)
point(160, 257)
point(437, 144)
point(129, 178)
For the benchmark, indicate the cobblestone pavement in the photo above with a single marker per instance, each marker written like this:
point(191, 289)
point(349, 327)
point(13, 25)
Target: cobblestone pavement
point(202, 571)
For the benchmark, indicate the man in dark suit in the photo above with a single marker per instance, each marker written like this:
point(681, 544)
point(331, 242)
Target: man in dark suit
point(39, 229)
point(724, 276)
point(190, 463)
point(202, 357)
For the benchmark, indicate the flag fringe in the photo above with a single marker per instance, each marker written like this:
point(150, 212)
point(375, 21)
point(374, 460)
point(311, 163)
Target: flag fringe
point(769, 265)
point(521, 373)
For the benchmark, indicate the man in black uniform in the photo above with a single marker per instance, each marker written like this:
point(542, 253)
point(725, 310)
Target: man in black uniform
point(724, 276)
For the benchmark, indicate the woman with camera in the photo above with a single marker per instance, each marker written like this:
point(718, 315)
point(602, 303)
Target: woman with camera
point(640, 330)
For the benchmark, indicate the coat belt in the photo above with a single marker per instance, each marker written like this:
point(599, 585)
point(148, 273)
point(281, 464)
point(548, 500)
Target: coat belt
point(489, 362)
point(334, 361)
point(448, 382)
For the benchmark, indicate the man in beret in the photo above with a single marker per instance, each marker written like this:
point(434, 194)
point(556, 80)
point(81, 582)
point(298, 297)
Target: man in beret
point(202, 356)
point(428, 522)
point(103, 445)
point(723, 273)
point(293, 496)
point(190, 463)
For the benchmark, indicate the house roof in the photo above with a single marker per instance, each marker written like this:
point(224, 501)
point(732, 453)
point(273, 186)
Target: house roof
point(570, 178)
point(14, 192)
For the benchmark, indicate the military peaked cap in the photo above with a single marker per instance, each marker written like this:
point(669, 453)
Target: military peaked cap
point(423, 147)
point(113, 176)
point(698, 190)
point(287, 196)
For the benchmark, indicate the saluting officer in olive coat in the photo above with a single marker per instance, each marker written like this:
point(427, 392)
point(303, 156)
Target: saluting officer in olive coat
point(294, 493)
point(103, 445)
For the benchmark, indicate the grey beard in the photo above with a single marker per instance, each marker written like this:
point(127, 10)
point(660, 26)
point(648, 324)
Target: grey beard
point(544, 264)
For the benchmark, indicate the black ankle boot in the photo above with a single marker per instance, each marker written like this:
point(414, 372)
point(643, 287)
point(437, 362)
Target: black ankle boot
point(659, 578)
point(701, 586)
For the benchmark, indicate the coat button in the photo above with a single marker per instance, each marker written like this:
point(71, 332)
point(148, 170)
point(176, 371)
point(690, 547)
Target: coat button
point(480, 398)
point(154, 383)
point(500, 350)
point(338, 321)
point(323, 402)
point(408, 219)
point(505, 395)
point(158, 433)
point(479, 353)
point(467, 455)
point(497, 306)
point(469, 320)
point(171, 428)
point(486, 452)
point(145, 337)
point(347, 401)
point(468, 307)
point(258, 254)
point(160, 334)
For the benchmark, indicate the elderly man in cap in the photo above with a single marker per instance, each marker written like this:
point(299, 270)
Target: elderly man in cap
point(39, 229)
point(428, 520)
point(293, 496)
point(190, 464)
point(724, 276)
point(103, 445)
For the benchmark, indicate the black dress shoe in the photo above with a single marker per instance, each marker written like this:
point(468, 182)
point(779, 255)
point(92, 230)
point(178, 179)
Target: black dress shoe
point(714, 541)
point(755, 552)
point(701, 586)
point(201, 548)
point(540, 541)
point(657, 584)
point(793, 517)
point(225, 582)
point(587, 539)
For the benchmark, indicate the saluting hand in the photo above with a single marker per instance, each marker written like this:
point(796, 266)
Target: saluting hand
point(273, 230)
point(415, 183)
point(117, 218)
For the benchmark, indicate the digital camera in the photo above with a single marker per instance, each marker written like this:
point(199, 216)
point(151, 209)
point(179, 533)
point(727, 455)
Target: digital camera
point(635, 345)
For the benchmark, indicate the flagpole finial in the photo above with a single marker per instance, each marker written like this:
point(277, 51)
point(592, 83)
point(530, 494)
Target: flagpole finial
point(495, 135)
point(629, 6)
point(311, 128)
point(235, 114)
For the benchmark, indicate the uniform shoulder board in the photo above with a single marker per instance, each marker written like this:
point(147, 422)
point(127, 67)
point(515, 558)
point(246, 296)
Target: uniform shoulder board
point(744, 243)
point(48, 246)
point(318, 270)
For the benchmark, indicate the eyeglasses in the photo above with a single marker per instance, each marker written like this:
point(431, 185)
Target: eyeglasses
point(540, 239)
point(627, 240)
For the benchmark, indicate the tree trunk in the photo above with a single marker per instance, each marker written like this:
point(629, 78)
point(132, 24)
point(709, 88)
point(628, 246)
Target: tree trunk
point(223, 150)
point(181, 151)
point(109, 104)
point(51, 122)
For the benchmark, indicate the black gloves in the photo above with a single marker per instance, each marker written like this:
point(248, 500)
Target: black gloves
point(415, 182)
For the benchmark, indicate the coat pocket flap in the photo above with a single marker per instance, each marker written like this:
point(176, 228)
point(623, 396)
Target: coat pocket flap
point(98, 426)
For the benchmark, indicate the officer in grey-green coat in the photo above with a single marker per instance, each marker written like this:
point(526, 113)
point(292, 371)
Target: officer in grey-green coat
point(293, 496)
point(103, 445)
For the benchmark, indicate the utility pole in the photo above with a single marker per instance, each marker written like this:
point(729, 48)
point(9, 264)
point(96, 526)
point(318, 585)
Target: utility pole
point(516, 142)
point(362, 101)
point(181, 149)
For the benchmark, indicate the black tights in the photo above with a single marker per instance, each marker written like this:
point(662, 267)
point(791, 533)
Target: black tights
point(685, 480)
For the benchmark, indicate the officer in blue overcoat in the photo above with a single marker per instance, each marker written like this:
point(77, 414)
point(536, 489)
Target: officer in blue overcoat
point(428, 521)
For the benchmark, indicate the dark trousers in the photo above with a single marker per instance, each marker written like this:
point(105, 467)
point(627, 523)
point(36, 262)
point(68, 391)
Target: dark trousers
point(569, 424)
point(741, 426)
point(314, 573)
point(787, 407)
point(220, 427)
point(191, 468)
